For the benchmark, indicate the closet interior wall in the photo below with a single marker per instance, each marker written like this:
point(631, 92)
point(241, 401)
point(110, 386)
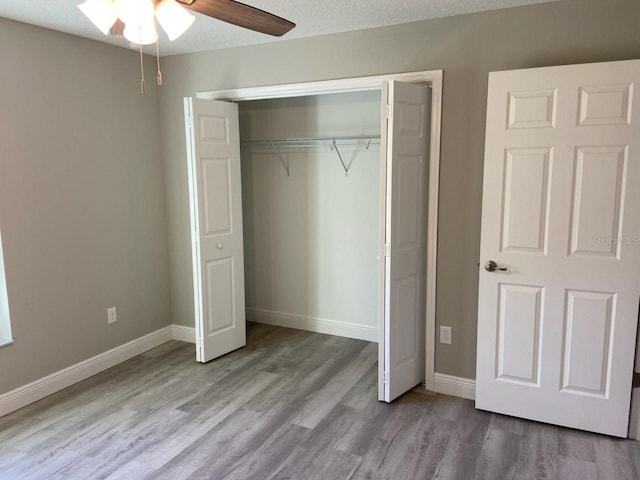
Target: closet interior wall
point(311, 236)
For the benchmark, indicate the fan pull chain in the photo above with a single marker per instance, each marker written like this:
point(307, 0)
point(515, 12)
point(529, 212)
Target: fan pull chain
point(159, 76)
point(143, 85)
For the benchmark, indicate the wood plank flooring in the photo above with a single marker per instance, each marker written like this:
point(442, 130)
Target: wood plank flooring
point(291, 405)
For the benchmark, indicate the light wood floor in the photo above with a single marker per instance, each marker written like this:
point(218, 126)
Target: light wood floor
point(291, 405)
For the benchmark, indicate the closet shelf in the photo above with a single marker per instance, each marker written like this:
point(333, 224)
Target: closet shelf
point(307, 142)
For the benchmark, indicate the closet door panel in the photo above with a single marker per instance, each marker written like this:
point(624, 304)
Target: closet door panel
point(405, 248)
point(213, 149)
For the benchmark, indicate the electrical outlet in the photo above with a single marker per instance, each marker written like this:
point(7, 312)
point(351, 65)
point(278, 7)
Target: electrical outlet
point(445, 335)
point(112, 315)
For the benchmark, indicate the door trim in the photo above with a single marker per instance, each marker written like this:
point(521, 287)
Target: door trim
point(433, 78)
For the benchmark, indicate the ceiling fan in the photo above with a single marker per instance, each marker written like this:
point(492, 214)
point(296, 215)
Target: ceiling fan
point(136, 19)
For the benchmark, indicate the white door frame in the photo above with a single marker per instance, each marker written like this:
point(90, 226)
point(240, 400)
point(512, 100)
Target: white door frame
point(433, 78)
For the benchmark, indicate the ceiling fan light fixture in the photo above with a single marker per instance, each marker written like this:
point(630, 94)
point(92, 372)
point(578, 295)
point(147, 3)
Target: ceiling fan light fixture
point(174, 19)
point(135, 12)
point(141, 34)
point(102, 13)
point(136, 20)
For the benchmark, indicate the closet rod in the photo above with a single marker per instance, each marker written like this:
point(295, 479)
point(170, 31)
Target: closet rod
point(309, 142)
point(312, 139)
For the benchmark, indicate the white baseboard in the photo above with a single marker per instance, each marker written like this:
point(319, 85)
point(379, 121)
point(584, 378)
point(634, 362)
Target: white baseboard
point(455, 386)
point(183, 334)
point(310, 324)
point(57, 381)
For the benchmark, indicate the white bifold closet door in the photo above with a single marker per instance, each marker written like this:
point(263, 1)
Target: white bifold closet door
point(561, 216)
point(216, 219)
point(406, 115)
point(213, 151)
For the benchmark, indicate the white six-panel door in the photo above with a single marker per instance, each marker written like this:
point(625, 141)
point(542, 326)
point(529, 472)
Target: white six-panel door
point(405, 270)
point(561, 212)
point(213, 150)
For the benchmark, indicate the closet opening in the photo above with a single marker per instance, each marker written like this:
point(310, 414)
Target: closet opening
point(322, 229)
point(310, 179)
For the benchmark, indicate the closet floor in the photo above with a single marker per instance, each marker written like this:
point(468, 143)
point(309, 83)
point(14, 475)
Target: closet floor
point(291, 405)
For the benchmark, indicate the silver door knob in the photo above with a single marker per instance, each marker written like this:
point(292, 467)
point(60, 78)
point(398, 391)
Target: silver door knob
point(492, 266)
point(220, 246)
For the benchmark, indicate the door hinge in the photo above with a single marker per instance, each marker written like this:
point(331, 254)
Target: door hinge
point(388, 111)
point(385, 378)
point(189, 121)
point(387, 250)
point(200, 347)
point(636, 379)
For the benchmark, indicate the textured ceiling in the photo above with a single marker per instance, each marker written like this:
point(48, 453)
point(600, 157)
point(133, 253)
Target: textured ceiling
point(312, 17)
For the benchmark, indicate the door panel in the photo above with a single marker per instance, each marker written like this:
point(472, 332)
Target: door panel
point(407, 232)
point(405, 269)
point(561, 212)
point(220, 301)
point(587, 334)
point(532, 109)
point(519, 333)
point(216, 220)
point(598, 197)
point(216, 191)
point(526, 193)
point(606, 104)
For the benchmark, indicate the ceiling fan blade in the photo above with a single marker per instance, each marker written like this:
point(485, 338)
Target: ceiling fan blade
point(242, 15)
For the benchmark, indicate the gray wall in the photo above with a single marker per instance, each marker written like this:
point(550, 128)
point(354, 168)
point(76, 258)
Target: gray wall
point(467, 48)
point(82, 208)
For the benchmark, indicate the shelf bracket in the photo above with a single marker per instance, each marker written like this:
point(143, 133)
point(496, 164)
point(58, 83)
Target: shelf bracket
point(334, 146)
point(285, 163)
